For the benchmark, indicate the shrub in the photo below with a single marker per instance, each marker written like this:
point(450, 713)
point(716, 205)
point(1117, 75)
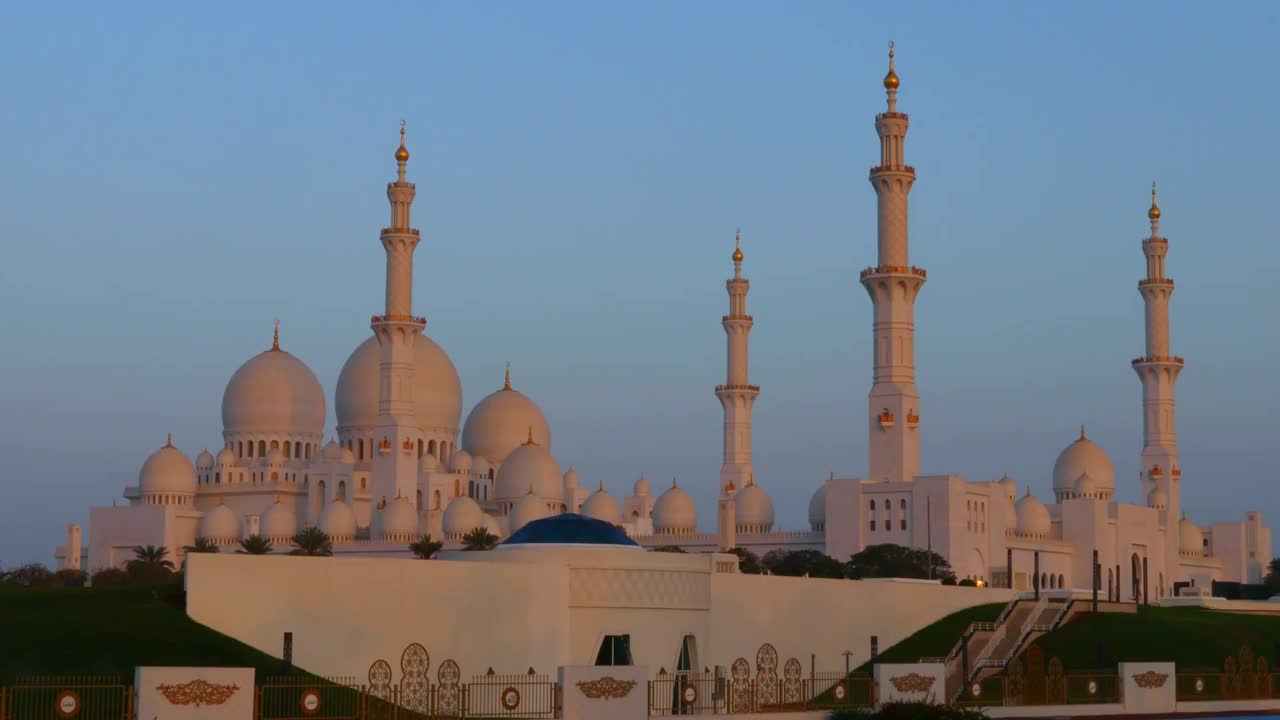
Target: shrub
point(30, 575)
point(967, 583)
point(109, 577)
point(70, 578)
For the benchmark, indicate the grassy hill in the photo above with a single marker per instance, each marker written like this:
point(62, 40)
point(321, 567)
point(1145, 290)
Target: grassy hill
point(1194, 638)
point(110, 631)
point(937, 639)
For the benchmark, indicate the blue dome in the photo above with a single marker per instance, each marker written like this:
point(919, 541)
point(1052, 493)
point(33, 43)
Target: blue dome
point(570, 529)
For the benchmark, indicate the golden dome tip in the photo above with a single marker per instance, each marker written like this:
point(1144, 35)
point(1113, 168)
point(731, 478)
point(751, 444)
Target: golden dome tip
point(891, 81)
point(1154, 212)
point(737, 247)
point(402, 154)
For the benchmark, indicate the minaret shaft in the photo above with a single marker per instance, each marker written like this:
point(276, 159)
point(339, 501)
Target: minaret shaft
point(737, 395)
point(893, 284)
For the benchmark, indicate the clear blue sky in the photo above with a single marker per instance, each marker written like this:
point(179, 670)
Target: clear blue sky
point(172, 178)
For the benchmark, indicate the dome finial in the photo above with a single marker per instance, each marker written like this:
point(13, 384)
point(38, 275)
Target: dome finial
point(530, 487)
point(530, 441)
point(1154, 212)
point(275, 337)
point(402, 154)
point(1082, 437)
point(168, 441)
point(673, 481)
point(891, 81)
point(737, 247)
point(506, 383)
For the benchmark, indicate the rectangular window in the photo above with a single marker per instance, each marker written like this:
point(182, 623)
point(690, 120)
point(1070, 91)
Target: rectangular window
point(614, 650)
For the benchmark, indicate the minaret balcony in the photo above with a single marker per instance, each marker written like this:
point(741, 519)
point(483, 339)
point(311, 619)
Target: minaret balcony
point(894, 270)
point(893, 115)
point(1158, 360)
point(1145, 282)
point(904, 169)
point(413, 319)
point(401, 231)
point(738, 388)
point(886, 420)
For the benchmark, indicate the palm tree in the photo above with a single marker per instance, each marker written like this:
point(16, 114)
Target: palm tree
point(150, 564)
point(479, 539)
point(201, 545)
point(312, 541)
point(255, 545)
point(426, 548)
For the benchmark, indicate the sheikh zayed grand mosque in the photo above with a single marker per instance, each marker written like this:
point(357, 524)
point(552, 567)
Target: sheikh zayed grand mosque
point(405, 463)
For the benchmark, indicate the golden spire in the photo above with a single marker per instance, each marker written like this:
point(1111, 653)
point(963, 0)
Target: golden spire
point(506, 383)
point(275, 337)
point(891, 80)
point(1154, 212)
point(673, 481)
point(530, 487)
point(737, 247)
point(168, 441)
point(530, 441)
point(601, 488)
point(1082, 437)
point(402, 155)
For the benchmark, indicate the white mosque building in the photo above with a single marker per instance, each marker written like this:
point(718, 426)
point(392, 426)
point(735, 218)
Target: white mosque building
point(404, 463)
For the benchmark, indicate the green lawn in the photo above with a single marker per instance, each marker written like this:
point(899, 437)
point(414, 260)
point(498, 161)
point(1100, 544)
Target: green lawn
point(937, 639)
point(1193, 638)
point(110, 631)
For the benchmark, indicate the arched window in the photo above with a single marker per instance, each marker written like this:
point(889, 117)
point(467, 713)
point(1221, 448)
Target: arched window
point(1044, 580)
point(491, 473)
point(457, 487)
point(471, 488)
point(342, 490)
point(241, 477)
point(240, 448)
point(420, 447)
point(360, 450)
point(275, 444)
point(250, 448)
point(306, 451)
point(486, 492)
point(362, 482)
point(262, 448)
point(431, 449)
point(436, 495)
point(217, 478)
point(1062, 581)
point(902, 507)
point(287, 448)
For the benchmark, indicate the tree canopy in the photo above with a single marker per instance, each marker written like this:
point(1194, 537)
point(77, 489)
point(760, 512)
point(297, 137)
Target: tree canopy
point(802, 563)
point(889, 560)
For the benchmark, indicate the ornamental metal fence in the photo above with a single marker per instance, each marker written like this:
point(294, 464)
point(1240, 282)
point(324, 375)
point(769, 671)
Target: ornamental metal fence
point(59, 697)
point(705, 693)
point(524, 696)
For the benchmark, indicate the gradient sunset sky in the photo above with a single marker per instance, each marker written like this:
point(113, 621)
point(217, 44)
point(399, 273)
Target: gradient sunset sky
point(172, 178)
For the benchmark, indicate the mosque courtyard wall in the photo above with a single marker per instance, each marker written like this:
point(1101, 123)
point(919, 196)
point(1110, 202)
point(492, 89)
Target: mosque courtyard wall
point(511, 610)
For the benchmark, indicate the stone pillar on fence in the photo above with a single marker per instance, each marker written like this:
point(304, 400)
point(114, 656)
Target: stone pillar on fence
point(604, 692)
point(1149, 688)
point(910, 682)
point(194, 693)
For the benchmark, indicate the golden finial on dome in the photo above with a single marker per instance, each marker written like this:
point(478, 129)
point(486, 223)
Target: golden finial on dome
point(530, 441)
point(891, 81)
point(1154, 212)
point(506, 383)
point(402, 154)
point(673, 481)
point(168, 441)
point(737, 246)
point(1082, 437)
point(275, 336)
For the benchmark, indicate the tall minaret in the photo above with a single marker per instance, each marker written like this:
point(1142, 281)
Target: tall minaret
point(737, 395)
point(894, 403)
point(1158, 370)
point(395, 461)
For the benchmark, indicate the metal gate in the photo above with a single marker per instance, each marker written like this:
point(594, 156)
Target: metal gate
point(67, 697)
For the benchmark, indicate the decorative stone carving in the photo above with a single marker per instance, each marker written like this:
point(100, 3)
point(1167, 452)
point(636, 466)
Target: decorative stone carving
point(1150, 680)
point(197, 692)
point(606, 688)
point(913, 683)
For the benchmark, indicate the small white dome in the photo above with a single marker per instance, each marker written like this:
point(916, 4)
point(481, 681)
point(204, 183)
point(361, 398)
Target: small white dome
point(492, 525)
point(641, 488)
point(226, 456)
point(338, 521)
point(219, 524)
point(753, 510)
point(1079, 458)
point(1009, 487)
point(274, 392)
point(429, 464)
point(571, 479)
point(1190, 538)
point(1007, 512)
point(1032, 516)
point(530, 466)
point(526, 510)
point(462, 462)
point(279, 522)
point(674, 512)
point(818, 508)
point(399, 520)
point(167, 472)
point(275, 457)
point(1157, 499)
point(204, 459)
point(603, 506)
point(437, 392)
point(1086, 487)
point(501, 423)
point(461, 517)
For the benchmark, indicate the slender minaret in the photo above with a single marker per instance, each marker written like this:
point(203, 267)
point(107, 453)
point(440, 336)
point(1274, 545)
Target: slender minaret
point(893, 446)
point(737, 395)
point(1158, 370)
point(395, 460)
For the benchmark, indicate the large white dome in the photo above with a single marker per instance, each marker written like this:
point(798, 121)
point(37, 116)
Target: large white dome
point(530, 466)
point(527, 509)
point(219, 524)
point(603, 506)
point(279, 522)
point(437, 391)
point(1083, 457)
point(461, 517)
point(752, 509)
point(501, 423)
point(168, 471)
point(1190, 538)
point(274, 392)
point(399, 520)
point(674, 512)
point(818, 508)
